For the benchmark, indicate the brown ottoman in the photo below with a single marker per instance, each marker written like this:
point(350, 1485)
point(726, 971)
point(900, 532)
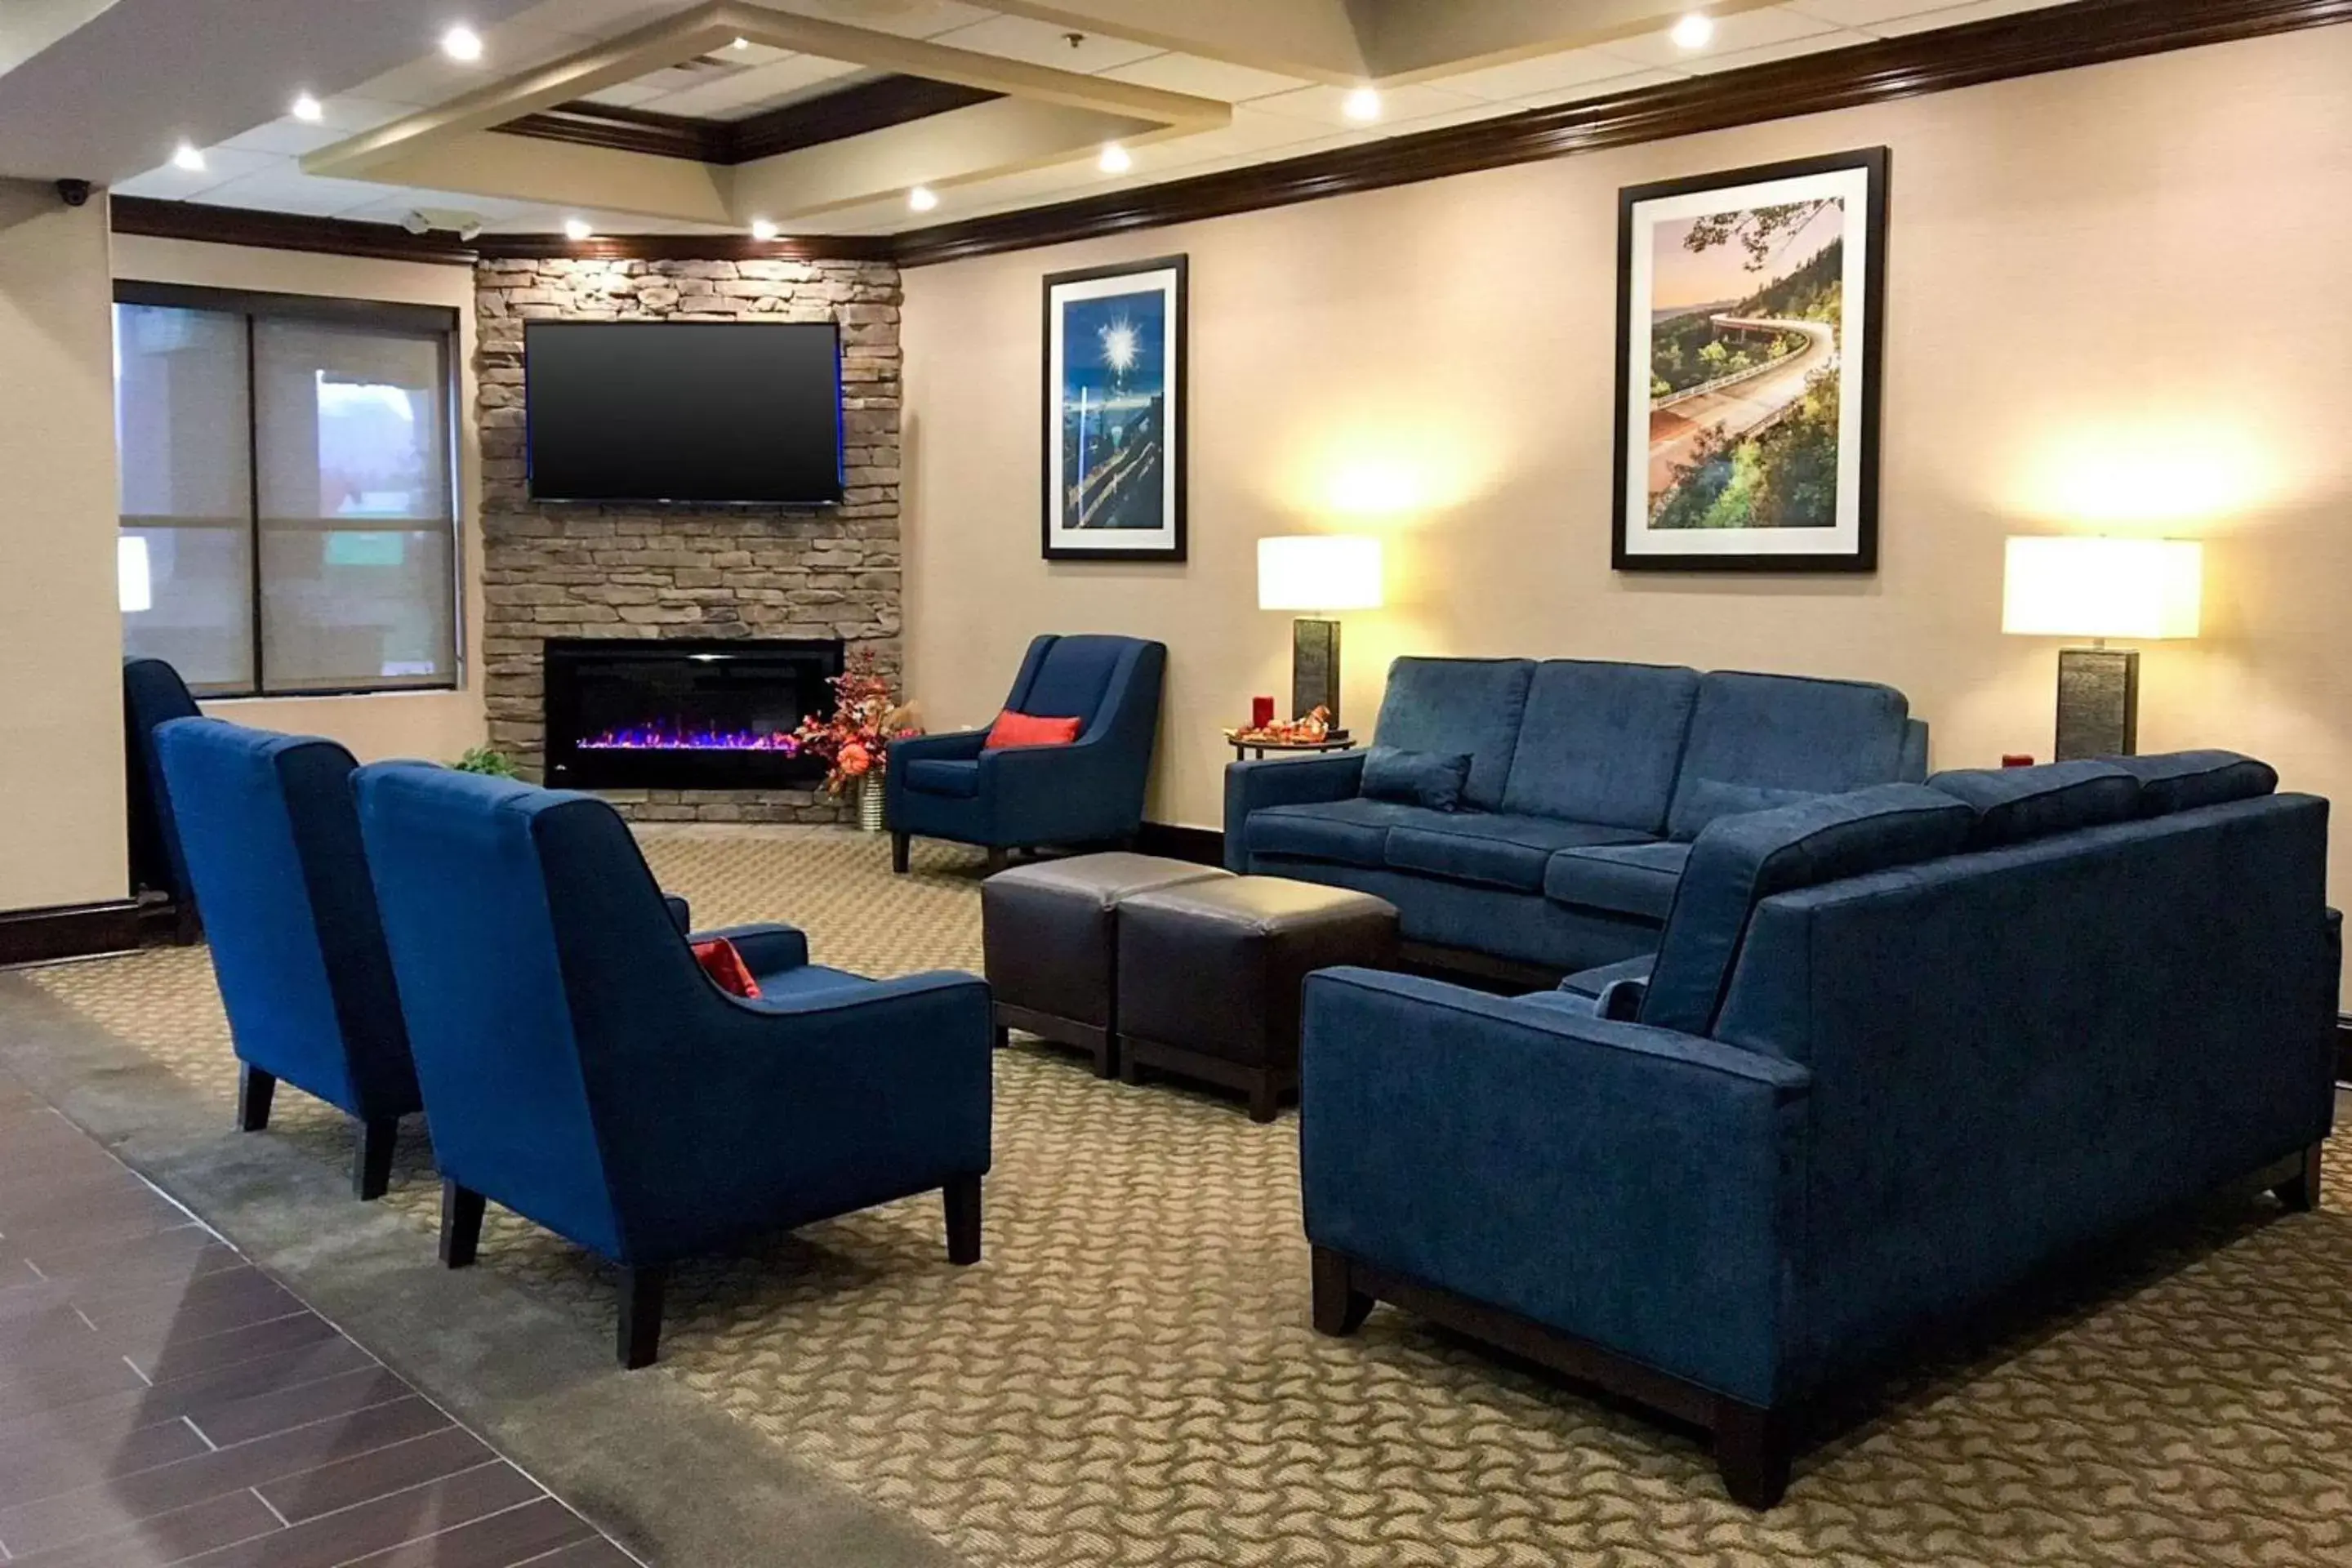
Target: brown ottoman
point(1209, 975)
point(1051, 945)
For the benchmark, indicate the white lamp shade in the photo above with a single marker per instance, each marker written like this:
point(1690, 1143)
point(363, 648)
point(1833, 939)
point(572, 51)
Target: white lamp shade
point(134, 589)
point(1318, 572)
point(2099, 587)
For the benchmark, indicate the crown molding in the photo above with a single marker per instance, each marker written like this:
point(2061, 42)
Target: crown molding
point(833, 117)
point(285, 231)
point(688, 247)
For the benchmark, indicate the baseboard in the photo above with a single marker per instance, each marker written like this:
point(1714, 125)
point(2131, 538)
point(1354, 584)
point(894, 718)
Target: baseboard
point(1200, 846)
point(67, 930)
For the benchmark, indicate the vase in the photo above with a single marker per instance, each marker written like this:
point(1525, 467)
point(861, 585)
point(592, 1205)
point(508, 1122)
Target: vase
point(869, 805)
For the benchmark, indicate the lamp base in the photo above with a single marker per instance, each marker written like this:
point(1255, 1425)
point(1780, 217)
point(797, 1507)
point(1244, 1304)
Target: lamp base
point(2098, 703)
point(1315, 669)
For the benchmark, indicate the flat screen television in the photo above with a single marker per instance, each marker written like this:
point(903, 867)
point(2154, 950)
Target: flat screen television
point(715, 412)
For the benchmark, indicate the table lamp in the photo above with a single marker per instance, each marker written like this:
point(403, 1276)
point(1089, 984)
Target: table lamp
point(2100, 587)
point(1324, 572)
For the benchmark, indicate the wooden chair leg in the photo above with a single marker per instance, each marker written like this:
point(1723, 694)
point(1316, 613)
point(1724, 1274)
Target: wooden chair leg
point(461, 1224)
point(1004, 1037)
point(1265, 1097)
point(961, 1196)
point(1340, 1308)
point(1105, 1055)
point(254, 1089)
point(371, 1160)
point(641, 1314)
point(2300, 1193)
point(996, 860)
point(1751, 1453)
point(898, 846)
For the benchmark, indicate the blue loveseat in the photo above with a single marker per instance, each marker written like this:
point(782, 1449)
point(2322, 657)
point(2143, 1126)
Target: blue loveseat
point(1585, 784)
point(1901, 1051)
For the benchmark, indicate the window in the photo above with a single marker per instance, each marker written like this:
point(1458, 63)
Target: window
point(288, 512)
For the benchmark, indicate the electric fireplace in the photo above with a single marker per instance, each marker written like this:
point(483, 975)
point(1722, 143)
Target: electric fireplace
point(680, 714)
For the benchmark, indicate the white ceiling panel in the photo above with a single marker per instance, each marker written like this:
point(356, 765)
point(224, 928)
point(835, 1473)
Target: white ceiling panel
point(1046, 44)
point(1740, 31)
point(1593, 89)
point(222, 164)
point(1203, 78)
point(1326, 106)
point(1544, 74)
point(1788, 48)
point(287, 189)
point(1957, 15)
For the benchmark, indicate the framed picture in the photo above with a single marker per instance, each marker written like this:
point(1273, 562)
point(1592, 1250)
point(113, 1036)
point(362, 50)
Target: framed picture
point(1749, 309)
point(1115, 378)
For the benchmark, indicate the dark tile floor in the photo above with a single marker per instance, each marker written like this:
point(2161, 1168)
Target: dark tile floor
point(162, 1401)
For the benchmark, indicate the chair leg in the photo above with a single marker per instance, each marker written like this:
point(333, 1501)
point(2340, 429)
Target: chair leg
point(461, 1224)
point(371, 1160)
point(254, 1089)
point(1340, 1308)
point(641, 1314)
point(962, 1194)
point(1751, 1453)
point(996, 860)
point(2300, 1193)
point(899, 845)
point(1265, 1097)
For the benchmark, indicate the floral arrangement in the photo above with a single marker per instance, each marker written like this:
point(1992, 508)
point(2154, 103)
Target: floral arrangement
point(856, 742)
point(485, 760)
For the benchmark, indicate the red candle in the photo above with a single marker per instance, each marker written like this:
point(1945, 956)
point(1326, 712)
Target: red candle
point(1261, 712)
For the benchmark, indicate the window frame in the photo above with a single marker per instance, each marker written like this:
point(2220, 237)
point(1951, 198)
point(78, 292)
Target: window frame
point(440, 322)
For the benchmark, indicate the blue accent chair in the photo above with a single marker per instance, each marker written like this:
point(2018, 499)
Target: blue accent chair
point(1901, 1052)
point(948, 786)
point(581, 1068)
point(273, 846)
point(153, 694)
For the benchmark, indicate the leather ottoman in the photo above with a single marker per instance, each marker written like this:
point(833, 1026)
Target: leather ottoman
point(1209, 973)
point(1051, 945)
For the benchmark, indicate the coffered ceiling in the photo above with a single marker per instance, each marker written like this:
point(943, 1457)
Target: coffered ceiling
point(821, 116)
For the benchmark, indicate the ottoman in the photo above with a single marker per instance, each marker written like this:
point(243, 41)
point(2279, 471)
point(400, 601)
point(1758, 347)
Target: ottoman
point(1209, 975)
point(1052, 944)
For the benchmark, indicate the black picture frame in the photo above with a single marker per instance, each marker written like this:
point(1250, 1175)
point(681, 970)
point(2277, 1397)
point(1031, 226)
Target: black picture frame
point(1168, 541)
point(1635, 545)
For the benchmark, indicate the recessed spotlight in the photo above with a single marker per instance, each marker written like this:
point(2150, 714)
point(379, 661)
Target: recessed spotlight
point(741, 44)
point(922, 199)
point(1695, 31)
point(1115, 159)
point(577, 229)
point(462, 43)
point(1363, 104)
point(186, 156)
point(309, 108)
point(765, 228)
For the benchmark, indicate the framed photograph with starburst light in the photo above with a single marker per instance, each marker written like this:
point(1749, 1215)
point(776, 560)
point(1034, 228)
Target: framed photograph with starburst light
point(1114, 379)
point(1750, 306)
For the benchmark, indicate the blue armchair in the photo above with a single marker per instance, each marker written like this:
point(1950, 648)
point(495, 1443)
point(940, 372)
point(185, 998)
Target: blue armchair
point(272, 844)
point(951, 786)
point(153, 694)
point(580, 1068)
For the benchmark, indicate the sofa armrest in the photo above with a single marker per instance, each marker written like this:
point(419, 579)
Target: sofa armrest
point(681, 913)
point(1282, 781)
point(767, 949)
point(1629, 1185)
point(1913, 767)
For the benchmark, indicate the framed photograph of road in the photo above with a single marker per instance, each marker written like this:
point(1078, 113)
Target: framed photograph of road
point(1115, 377)
point(1749, 310)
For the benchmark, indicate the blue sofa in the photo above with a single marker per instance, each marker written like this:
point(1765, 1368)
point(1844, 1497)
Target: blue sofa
point(1016, 797)
point(580, 1068)
point(1901, 1051)
point(271, 843)
point(1586, 784)
point(153, 695)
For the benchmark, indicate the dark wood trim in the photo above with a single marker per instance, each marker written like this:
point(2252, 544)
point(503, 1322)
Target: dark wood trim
point(2087, 32)
point(1092, 1038)
point(285, 231)
point(874, 105)
point(68, 930)
point(620, 130)
point(688, 247)
point(1199, 845)
point(1266, 1084)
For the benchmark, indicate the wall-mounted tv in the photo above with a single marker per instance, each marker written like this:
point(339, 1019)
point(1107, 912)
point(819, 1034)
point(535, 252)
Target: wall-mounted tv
point(710, 412)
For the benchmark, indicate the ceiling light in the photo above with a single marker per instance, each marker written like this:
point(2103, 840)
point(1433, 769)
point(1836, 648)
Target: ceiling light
point(765, 228)
point(922, 199)
point(186, 156)
point(462, 43)
point(309, 108)
point(742, 44)
point(1364, 103)
point(1695, 31)
point(576, 229)
point(1115, 159)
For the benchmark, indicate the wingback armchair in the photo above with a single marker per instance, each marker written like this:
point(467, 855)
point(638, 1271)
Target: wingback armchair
point(580, 1066)
point(953, 786)
point(153, 694)
point(272, 843)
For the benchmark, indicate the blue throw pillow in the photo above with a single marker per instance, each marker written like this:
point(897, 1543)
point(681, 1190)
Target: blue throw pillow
point(1416, 778)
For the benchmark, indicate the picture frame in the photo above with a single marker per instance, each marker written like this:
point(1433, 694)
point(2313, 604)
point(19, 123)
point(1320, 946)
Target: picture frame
point(1115, 370)
point(1750, 327)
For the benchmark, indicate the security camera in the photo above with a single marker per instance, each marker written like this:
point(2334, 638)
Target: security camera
point(414, 222)
point(73, 192)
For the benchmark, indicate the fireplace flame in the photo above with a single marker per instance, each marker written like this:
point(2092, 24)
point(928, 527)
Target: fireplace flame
point(660, 737)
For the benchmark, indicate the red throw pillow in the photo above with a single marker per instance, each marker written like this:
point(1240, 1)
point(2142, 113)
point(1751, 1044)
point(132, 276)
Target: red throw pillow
point(726, 968)
point(1013, 728)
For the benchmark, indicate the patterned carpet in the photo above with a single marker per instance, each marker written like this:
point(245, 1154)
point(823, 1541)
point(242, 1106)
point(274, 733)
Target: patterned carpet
point(1129, 1379)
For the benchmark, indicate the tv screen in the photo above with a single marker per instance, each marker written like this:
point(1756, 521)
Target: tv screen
point(683, 411)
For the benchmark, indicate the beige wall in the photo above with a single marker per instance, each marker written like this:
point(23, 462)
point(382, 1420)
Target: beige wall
point(434, 724)
point(2117, 299)
point(61, 813)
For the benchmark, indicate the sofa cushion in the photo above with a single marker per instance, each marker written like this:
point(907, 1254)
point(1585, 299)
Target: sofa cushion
point(2178, 780)
point(938, 775)
point(1783, 732)
point(2014, 805)
point(1352, 832)
point(1466, 707)
point(1600, 742)
point(1494, 848)
point(1626, 879)
point(1416, 778)
point(1736, 862)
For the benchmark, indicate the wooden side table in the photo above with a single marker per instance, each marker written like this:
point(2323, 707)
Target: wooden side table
point(1243, 750)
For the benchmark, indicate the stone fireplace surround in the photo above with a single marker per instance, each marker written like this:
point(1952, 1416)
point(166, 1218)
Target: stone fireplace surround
point(572, 571)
